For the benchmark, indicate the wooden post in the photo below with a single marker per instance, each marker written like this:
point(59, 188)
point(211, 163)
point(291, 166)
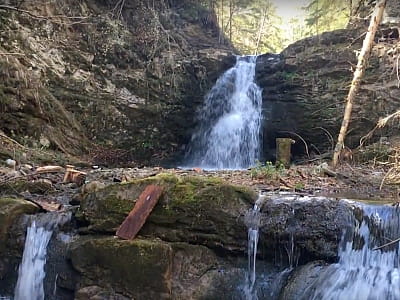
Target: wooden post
point(359, 72)
point(283, 151)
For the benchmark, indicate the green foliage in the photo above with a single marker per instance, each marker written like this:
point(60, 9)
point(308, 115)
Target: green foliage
point(326, 15)
point(267, 170)
point(251, 25)
point(299, 186)
point(254, 27)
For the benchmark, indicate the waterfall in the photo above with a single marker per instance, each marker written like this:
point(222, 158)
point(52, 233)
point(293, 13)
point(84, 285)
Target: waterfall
point(364, 271)
point(228, 136)
point(31, 270)
point(253, 218)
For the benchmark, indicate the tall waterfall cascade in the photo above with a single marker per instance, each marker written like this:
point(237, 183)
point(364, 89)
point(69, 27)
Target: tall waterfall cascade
point(31, 270)
point(228, 135)
point(366, 270)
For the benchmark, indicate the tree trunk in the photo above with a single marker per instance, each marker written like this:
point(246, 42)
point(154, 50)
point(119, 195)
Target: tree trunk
point(230, 19)
point(260, 31)
point(359, 72)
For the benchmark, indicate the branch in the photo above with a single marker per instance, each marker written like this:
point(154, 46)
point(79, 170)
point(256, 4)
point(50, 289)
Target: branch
point(11, 53)
point(387, 244)
point(26, 12)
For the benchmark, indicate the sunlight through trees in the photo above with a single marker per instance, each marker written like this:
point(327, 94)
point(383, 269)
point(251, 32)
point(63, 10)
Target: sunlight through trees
point(259, 26)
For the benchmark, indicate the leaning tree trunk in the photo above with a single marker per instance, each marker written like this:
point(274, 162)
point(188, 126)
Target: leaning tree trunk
point(359, 72)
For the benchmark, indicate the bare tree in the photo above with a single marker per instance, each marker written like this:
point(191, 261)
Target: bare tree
point(359, 72)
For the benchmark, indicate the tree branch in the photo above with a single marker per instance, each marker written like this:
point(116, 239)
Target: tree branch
point(28, 13)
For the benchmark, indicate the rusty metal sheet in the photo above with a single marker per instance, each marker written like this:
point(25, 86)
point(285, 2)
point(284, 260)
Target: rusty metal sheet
point(140, 212)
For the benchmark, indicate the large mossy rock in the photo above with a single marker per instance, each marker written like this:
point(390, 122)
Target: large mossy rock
point(10, 210)
point(192, 209)
point(138, 267)
point(150, 269)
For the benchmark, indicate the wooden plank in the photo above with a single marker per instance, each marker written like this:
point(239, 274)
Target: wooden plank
point(140, 212)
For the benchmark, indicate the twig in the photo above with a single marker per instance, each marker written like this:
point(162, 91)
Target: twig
point(356, 39)
point(329, 136)
point(387, 244)
point(381, 123)
point(384, 177)
point(305, 144)
point(397, 71)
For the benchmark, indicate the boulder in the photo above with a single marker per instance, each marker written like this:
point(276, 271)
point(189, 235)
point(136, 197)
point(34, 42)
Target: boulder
point(134, 268)
point(150, 269)
point(205, 211)
point(10, 210)
point(298, 229)
point(209, 212)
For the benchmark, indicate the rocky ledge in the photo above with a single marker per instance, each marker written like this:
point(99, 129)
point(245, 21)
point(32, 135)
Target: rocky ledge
point(193, 245)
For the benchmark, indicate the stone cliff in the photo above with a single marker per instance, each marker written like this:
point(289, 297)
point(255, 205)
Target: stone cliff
point(305, 88)
point(105, 73)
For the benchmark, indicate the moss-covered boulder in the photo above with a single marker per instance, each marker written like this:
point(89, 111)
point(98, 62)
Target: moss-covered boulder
point(134, 268)
point(111, 268)
point(198, 210)
point(10, 210)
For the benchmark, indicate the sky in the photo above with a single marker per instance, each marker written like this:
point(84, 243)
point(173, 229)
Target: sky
point(288, 9)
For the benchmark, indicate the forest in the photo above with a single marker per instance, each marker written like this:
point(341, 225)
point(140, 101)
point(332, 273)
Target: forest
point(255, 27)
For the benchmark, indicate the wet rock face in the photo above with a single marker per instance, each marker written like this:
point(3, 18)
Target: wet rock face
point(304, 93)
point(308, 228)
point(143, 267)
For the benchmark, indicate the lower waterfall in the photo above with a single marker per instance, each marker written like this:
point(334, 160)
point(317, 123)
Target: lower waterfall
point(31, 270)
point(253, 219)
point(368, 268)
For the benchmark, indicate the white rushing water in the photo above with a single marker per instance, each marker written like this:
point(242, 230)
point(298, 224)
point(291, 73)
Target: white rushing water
point(253, 219)
point(31, 271)
point(228, 136)
point(363, 271)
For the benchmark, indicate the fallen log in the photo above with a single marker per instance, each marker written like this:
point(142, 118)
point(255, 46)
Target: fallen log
point(49, 169)
point(140, 212)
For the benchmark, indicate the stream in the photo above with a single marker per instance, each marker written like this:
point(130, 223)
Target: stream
point(367, 267)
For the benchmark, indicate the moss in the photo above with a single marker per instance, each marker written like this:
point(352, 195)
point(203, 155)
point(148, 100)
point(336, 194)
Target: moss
point(10, 209)
point(132, 267)
point(18, 186)
point(183, 198)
